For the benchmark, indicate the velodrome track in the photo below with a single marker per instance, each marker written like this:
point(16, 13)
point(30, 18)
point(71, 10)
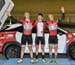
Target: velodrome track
point(62, 61)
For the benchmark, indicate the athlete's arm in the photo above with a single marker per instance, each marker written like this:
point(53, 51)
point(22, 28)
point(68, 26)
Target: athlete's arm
point(45, 24)
point(63, 15)
point(34, 24)
point(20, 21)
point(13, 20)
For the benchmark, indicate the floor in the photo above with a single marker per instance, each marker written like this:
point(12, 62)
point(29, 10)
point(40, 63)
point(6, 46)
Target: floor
point(26, 61)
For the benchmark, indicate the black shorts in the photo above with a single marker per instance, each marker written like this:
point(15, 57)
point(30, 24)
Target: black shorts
point(53, 40)
point(39, 39)
point(26, 39)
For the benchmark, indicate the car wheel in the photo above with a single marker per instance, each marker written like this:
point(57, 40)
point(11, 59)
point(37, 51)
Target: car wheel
point(71, 50)
point(12, 51)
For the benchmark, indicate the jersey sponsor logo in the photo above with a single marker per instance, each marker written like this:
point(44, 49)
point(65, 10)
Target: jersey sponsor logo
point(53, 27)
point(27, 26)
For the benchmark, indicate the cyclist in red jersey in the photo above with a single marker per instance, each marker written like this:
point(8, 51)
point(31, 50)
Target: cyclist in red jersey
point(27, 36)
point(53, 40)
point(39, 24)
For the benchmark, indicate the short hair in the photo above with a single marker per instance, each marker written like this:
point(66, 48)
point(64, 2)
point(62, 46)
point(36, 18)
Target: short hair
point(40, 14)
point(26, 12)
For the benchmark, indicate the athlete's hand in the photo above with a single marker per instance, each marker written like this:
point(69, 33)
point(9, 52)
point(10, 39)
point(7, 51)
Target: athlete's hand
point(62, 9)
point(8, 13)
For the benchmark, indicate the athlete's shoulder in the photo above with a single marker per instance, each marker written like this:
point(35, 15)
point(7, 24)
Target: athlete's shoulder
point(56, 20)
point(48, 22)
point(44, 22)
point(31, 20)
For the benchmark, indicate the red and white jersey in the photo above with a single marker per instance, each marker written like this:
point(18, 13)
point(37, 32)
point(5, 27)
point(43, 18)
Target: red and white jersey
point(40, 29)
point(52, 26)
point(27, 27)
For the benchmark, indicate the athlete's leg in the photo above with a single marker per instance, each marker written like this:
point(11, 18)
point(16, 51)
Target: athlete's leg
point(31, 52)
point(50, 46)
point(43, 53)
point(42, 48)
point(30, 43)
point(23, 43)
point(22, 53)
point(50, 52)
point(56, 50)
point(56, 47)
point(37, 47)
point(36, 54)
point(22, 50)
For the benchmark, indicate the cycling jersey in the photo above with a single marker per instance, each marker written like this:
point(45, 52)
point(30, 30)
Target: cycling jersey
point(52, 26)
point(39, 29)
point(27, 27)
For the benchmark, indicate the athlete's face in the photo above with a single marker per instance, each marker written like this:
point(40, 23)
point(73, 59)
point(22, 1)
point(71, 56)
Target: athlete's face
point(51, 17)
point(40, 18)
point(27, 15)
